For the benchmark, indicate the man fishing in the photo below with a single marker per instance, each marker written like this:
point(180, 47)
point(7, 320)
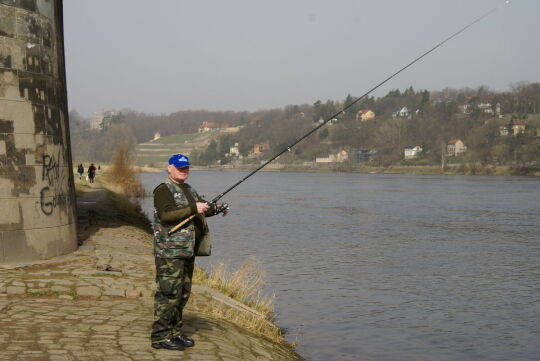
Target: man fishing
point(176, 245)
point(175, 251)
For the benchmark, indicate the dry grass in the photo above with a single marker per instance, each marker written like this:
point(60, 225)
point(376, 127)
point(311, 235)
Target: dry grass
point(244, 285)
point(121, 176)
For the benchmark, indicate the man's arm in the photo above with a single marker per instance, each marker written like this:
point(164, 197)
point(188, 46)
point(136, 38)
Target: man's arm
point(166, 208)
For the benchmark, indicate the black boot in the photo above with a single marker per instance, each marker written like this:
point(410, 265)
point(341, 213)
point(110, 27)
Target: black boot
point(172, 344)
point(188, 342)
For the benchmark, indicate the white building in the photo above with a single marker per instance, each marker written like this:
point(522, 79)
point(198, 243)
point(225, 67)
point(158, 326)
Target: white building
point(402, 113)
point(455, 147)
point(339, 157)
point(96, 122)
point(234, 150)
point(412, 151)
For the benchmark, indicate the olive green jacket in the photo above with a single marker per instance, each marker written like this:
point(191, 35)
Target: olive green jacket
point(172, 204)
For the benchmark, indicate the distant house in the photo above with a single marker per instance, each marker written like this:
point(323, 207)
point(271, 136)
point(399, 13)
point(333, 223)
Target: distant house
point(102, 120)
point(234, 150)
point(484, 107)
point(208, 126)
point(511, 128)
point(339, 157)
point(455, 147)
point(364, 155)
point(260, 148)
point(401, 113)
point(96, 122)
point(365, 115)
point(412, 151)
point(518, 129)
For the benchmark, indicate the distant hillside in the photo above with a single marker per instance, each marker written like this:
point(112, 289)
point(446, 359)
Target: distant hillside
point(157, 152)
point(494, 128)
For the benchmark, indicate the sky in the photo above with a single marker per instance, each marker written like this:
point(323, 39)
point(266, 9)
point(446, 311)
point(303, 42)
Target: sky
point(164, 56)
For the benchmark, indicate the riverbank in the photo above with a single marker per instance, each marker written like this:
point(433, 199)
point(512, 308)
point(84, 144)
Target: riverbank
point(97, 303)
point(450, 169)
point(453, 169)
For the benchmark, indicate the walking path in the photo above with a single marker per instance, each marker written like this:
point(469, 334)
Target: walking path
point(97, 303)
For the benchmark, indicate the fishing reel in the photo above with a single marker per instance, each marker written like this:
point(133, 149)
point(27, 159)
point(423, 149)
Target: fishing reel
point(222, 208)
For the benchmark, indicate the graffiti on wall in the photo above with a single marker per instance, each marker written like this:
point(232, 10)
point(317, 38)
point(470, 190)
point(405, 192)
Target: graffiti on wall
point(55, 193)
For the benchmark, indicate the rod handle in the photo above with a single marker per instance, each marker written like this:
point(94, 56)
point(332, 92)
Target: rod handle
point(179, 225)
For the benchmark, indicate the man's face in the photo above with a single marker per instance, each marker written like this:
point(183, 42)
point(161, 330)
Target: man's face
point(178, 175)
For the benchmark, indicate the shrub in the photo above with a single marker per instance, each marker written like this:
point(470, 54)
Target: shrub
point(122, 175)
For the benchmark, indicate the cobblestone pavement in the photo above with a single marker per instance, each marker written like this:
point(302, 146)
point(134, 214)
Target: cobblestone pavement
point(97, 305)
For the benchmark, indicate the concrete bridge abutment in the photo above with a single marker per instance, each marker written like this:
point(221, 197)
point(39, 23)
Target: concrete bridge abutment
point(37, 197)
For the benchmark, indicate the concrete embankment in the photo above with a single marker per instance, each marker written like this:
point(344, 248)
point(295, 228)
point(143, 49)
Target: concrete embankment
point(97, 303)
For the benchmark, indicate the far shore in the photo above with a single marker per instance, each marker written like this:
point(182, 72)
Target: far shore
point(453, 169)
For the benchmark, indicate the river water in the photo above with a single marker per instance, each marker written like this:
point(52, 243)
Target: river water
point(388, 267)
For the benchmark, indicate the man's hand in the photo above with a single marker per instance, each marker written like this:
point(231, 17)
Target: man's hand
point(202, 207)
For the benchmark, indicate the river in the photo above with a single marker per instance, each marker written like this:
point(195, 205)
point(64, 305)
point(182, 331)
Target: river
point(388, 267)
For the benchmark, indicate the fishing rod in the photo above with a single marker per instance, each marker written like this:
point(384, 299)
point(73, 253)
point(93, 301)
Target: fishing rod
point(224, 207)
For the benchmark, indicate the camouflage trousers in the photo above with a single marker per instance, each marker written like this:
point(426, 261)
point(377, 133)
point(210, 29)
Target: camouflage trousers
point(173, 278)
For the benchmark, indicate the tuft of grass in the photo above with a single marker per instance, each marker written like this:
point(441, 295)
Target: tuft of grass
point(122, 176)
point(247, 320)
point(244, 285)
point(44, 293)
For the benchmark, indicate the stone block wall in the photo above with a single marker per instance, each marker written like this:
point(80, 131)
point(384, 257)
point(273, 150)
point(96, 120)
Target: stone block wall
point(37, 199)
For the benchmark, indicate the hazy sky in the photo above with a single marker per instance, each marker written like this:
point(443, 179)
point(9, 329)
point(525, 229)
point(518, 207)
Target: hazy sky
point(163, 56)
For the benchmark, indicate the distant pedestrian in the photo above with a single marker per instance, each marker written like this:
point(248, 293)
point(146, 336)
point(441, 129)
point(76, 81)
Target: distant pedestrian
point(80, 170)
point(91, 172)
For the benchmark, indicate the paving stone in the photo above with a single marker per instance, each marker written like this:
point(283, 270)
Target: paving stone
point(105, 328)
point(15, 290)
point(61, 358)
point(64, 282)
point(88, 291)
point(133, 293)
point(60, 289)
point(4, 304)
point(113, 292)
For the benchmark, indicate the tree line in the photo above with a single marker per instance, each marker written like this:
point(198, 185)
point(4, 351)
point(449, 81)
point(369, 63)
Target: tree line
point(434, 117)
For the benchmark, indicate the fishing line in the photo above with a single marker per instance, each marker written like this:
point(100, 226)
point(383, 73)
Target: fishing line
point(288, 148)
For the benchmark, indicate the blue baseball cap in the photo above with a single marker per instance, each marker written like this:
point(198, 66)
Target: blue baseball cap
point(179, 160)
